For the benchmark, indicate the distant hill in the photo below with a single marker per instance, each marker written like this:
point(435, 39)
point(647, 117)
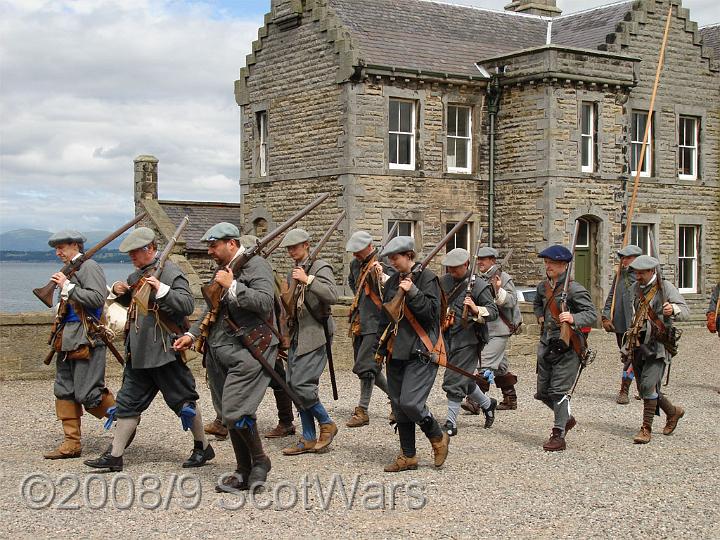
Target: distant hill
point(36, 240)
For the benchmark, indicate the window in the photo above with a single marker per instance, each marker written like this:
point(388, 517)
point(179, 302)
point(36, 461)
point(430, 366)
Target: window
point(461, 239)
point(459, 139)
point(640, 236)
point(402, 134)
point(687, 258)
point(262, 131)
point(588, 132)
point(583, 234)
point(639, 122)
point(687, 148)
point(405, 228)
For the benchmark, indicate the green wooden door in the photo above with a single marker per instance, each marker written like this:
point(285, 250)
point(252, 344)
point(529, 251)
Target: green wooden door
point(582, 266)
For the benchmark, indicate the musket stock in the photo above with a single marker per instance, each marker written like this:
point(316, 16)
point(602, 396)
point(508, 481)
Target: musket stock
point(471, 280)
point(566, 330)
point(45, 293)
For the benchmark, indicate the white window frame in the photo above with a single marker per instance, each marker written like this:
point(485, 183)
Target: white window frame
point(636, 142)
point(453, 241)
point(694, 258)
point(401, 222)
point(262, 132)
point(694, 147)
point(583, 223)
point(454, 138)
point(635, 232)
point(402, 166)
point(588, 138)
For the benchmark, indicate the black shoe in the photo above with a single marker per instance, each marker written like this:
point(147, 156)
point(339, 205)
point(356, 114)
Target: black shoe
point(106, 461)
point(199, 457)
point(450, 429)
point(232, 483)
point(490, 413)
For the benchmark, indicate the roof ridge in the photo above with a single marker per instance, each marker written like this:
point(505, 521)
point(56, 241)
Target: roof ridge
point(708, 26)
point(480, 8)
point(617, 3)
point(198, 203)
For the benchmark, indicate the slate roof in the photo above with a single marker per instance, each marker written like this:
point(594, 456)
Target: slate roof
point(711, 39)
point(446, 38)
point(203, 215)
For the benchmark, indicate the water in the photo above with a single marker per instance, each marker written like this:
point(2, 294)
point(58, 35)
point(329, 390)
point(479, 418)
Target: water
point(18, 279)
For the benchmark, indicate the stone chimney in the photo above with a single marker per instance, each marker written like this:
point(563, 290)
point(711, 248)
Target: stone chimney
point(146, 179)
point(287, 14)
point(545, 8)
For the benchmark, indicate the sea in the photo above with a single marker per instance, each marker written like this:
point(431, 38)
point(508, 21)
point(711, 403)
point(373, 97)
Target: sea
point(18, 279)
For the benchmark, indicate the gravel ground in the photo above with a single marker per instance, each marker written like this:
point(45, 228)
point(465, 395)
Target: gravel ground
point(497, 483)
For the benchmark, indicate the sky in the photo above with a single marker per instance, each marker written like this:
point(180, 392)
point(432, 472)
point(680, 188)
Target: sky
point(88, 85)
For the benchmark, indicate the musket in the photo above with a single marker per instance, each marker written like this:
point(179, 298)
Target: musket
point(394, 307)
point(471, 281)
point(389, 236)
point(214, 292)
point(292, 296)
point(661, 292)
point(566, 330)
point(142, 296)
point(435, 359)
point(45, 294)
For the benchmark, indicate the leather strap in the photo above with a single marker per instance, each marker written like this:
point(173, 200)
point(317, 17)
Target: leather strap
point(555, 312)
point(438, 348)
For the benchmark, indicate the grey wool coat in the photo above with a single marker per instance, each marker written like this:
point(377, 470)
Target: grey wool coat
point(319, 296)
point(147, 343)
point(458, 337)
point(671, 295)
point(510, 309)
point(367, 311)
point(424, 302)
point(90, 292)
point(623, 314)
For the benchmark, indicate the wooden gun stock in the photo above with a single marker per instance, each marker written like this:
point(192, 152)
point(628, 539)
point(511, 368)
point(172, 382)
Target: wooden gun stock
point(45, 294)
point(471, 280)
point(566, 330)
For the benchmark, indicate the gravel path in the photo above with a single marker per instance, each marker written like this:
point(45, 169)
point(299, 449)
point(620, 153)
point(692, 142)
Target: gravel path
point(497, 483)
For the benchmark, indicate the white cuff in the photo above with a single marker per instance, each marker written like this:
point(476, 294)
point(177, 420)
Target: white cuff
point(310, 280)
point(190, 335)
point(676, 309)
point(162, 290)
point(501, 296)
point(384, 277)
point(483, 311)
point(231, 291)
point(66, 289)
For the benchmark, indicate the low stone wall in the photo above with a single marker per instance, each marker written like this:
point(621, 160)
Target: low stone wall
point(23, 344)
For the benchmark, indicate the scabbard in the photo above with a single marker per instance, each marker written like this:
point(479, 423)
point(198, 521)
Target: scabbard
point(452, 367)
point(331, 366)
point(113, 350)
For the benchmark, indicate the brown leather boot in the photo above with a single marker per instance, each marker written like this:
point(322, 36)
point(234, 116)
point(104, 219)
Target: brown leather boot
point(508, 403)
point(301, 447)
point(261, 464)
point(217, 428)
point(556, 442)
point(471, 406)
point(440, 446)
point(107, 400)
point(281, 430)
point(623, 397)
point(237, 481)
point(644, 435)
point(506, 383)
point(672, 412)
point(359, 418)
point(402, 463)
point(327, 434)
point(69, 413)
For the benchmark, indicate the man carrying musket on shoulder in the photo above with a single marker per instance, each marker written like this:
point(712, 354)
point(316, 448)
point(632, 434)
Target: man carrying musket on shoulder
point(618, 311)
point(80, 375)
point(465, 339)
point(152, 364)
point(237, 379)
point(366, 279)
point(410, 375)
point(558, 363)
point(494, 364)
point(307, 356)
point(651, 341)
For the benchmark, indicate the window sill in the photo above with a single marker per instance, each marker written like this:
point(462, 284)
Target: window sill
point(687, 178)
point(458, 171)
point(395, 167)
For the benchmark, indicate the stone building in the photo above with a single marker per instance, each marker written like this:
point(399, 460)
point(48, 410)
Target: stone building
point(391, 107)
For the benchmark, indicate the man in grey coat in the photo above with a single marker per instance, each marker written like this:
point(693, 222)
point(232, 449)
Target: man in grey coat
point(310, 330)
point(152, 365)
point(557, 364)
point(464, 340)
point(617, 318)
point(80, 375)
point(651, 340)
point(237, 379)
point(366, 279)
point(494, 361)
point(410, 375)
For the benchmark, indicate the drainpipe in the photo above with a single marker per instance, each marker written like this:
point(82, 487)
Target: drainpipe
point(493, 92)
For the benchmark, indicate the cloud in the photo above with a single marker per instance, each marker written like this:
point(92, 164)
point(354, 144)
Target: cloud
point(87, 86)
